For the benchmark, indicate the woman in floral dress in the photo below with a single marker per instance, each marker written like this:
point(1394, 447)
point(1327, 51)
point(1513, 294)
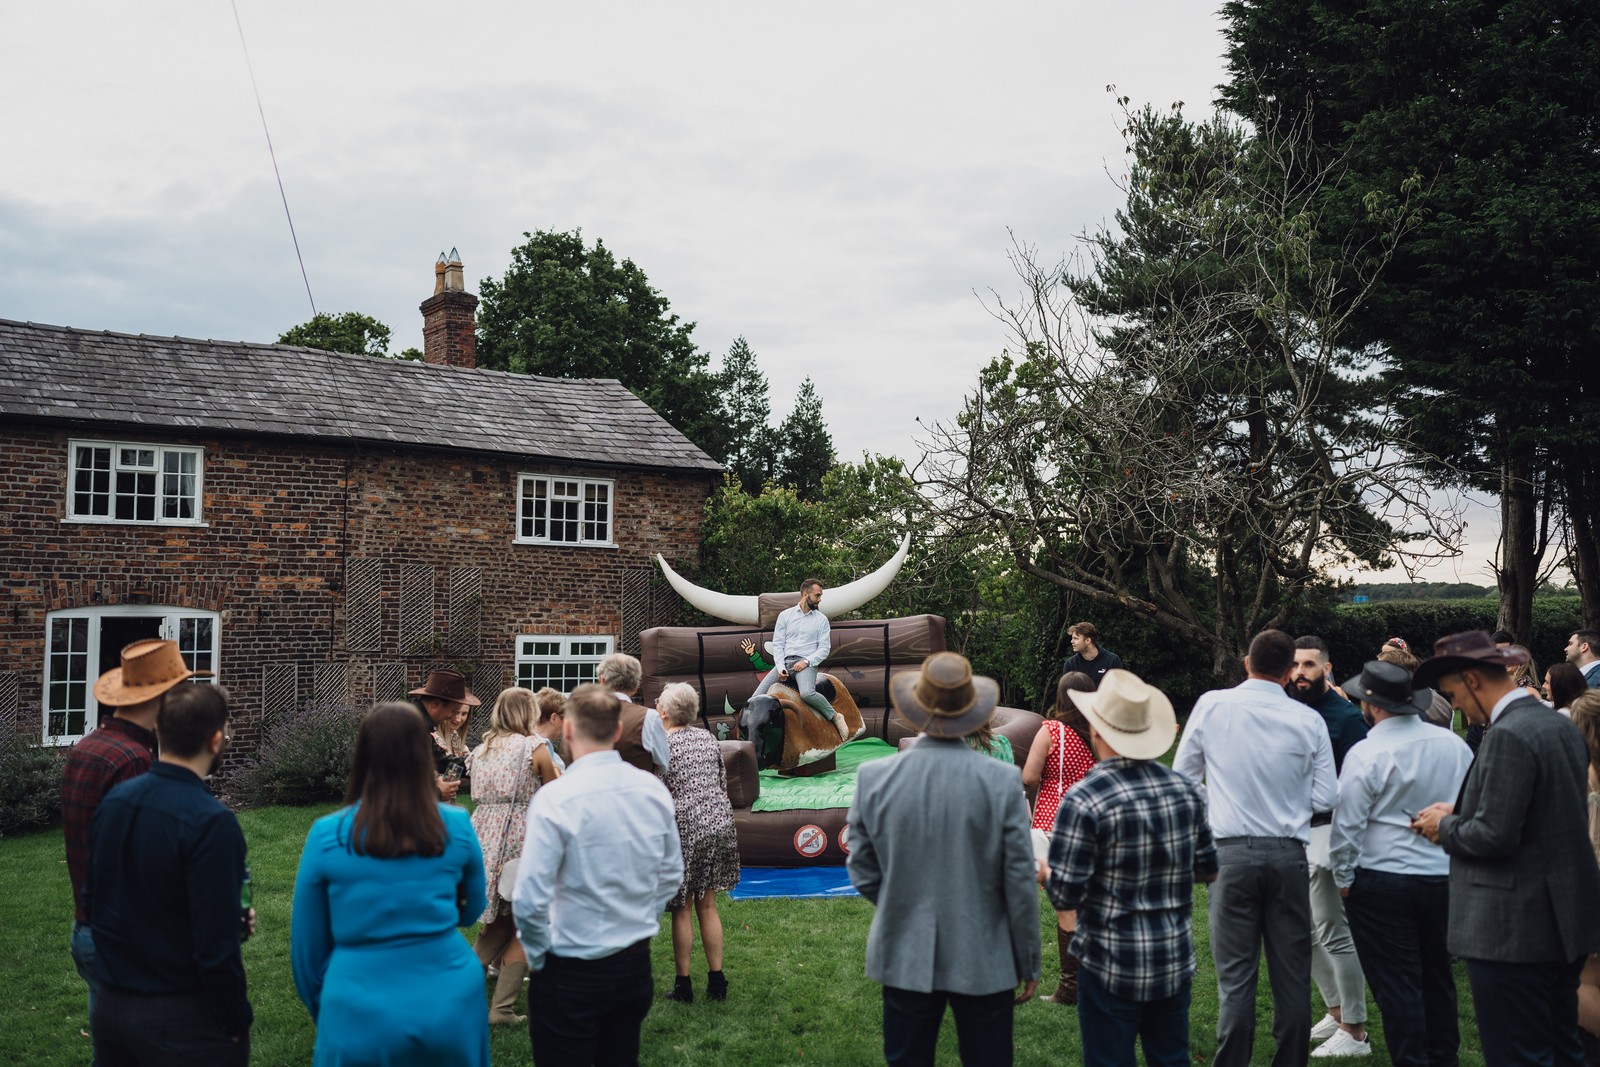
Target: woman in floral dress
point(507, 767)
point(699, 785)
point(1057, 760)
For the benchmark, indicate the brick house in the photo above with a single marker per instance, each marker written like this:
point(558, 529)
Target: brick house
point(317, 526)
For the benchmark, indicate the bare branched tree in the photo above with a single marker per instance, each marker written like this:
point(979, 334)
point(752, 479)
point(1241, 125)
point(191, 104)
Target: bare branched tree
point(1179, 432)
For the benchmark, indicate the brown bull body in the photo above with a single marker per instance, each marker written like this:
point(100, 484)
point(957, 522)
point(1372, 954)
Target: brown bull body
point(805, 731)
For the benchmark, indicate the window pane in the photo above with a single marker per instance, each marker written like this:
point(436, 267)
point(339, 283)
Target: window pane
point(75, 722)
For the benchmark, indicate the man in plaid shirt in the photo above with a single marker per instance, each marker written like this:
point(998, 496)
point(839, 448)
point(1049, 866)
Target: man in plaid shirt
point(120, 748)
point(1130, 841)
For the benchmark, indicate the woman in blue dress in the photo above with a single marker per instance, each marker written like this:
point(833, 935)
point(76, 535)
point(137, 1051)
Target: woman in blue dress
point(383, 884)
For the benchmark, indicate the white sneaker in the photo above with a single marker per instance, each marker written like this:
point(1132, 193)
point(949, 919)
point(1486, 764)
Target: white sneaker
point(1342, 1043)
point(1324, 1028)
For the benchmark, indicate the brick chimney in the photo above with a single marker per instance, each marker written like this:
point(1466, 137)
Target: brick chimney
point(449, 325)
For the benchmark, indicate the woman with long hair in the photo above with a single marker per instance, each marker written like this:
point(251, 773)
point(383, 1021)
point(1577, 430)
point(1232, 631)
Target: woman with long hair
point(698, 782)
point(1586, 717)
point(1563, 683)
point(1058, 759)
point(450, 739)
point(383, 884)
point(507, 767)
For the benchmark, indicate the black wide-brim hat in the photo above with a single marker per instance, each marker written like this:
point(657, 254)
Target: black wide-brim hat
point(1388, 686)
point(1459, 652)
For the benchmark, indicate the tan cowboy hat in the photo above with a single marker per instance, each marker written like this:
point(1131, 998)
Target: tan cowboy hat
point(944, 698)
point(1457, 652)
point(447, 685)
point(1132, 716)
point(149, 668)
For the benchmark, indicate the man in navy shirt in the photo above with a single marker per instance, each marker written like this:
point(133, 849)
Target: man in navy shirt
point(163, 893)
point(1087, 655)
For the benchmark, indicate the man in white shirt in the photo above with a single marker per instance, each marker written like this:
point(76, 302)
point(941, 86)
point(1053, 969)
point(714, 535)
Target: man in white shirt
point(801, 640)
point(1267, 764)
point(599, 864)
point(1396, 883)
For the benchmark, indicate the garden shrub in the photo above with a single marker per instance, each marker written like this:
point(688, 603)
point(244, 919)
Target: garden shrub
point(1355, 632)
point(30, 784)
point(304, 758)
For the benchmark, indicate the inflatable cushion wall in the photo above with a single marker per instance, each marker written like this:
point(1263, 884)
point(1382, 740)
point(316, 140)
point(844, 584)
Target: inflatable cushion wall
point(865, 654)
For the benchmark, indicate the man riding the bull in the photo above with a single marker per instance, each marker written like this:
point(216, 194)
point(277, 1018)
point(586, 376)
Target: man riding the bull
point(800, 642)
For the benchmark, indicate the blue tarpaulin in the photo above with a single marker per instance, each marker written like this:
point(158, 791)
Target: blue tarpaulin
point(759, 883)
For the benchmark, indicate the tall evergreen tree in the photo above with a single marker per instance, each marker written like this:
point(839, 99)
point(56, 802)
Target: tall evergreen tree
point(1490, 311)
point(751, 451)
point(805, 448)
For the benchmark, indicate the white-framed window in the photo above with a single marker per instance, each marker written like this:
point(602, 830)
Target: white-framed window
point(83, 643)
point(565, 511)
point(561, 662)
point(122, 481)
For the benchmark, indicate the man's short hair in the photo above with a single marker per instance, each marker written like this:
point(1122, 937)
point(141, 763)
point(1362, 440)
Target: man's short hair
point(1084, 629)
point(593, 710)
point(1590, 638)
point(1271, 653)
point(1400, 657)
point(1312, 641)
point(190, 715)
point(621, 672)
point(808, 585)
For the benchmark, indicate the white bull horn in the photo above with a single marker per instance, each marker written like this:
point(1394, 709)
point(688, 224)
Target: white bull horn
point(746, 610)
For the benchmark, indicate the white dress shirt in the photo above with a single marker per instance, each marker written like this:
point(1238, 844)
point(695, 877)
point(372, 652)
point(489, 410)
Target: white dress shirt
point(1404, 765)
point(807, 634)
point(1265, 760)
point(600, 861)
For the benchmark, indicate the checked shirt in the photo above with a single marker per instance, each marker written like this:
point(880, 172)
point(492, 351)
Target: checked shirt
point(114, 752)
point(1130, 841)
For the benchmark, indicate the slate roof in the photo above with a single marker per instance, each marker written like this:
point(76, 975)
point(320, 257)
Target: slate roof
point(125, 380)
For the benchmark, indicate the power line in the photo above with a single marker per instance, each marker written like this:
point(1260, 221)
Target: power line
point(281, 194)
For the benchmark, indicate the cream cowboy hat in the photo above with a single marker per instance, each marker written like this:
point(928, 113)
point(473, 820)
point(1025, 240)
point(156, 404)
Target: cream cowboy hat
point(1133, 717)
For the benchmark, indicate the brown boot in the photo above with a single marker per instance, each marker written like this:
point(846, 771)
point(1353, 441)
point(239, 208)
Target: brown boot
point(1067, 988)
point(506, 987)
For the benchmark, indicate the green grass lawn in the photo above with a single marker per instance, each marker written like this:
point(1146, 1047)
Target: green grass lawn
point(795, 966)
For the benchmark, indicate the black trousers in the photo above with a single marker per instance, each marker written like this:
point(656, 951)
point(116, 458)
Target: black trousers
point(135, 1030)
point(911, 1023)
point(1527, 1012)
point(589, 1012)
point(1399, 923)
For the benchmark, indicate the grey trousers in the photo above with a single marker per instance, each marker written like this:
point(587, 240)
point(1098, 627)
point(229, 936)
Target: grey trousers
point(1334, 965)
point(1262, 896)
point(805, 683)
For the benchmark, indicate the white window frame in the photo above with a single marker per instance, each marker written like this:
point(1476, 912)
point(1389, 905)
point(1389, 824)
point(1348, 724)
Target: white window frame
point(57, 700)
point(162, 497)
point(529, 522)
point(578, 655)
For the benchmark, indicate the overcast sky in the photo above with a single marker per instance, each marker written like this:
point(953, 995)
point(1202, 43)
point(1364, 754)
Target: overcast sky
point(834, 182)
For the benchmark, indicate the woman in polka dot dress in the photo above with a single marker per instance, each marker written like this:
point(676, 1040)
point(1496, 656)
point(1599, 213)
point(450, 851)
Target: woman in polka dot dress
point(1057, 760)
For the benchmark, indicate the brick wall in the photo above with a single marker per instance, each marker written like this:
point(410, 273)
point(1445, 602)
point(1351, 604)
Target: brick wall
point(334, 571)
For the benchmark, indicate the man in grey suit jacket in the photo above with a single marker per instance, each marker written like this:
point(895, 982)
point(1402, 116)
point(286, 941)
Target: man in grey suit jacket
point(1523, 879)
point(940, 842)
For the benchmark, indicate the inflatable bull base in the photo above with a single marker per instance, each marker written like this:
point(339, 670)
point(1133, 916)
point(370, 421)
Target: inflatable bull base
point(813, 837)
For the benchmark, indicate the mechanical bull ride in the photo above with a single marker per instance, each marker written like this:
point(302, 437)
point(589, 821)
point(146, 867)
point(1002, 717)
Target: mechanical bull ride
point(799, 821)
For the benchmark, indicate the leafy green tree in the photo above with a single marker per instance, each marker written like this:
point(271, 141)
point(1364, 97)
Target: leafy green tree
point(1490, 310)
point(804, 446)
point(752, 446)
point(349, 332)
point(570, 310)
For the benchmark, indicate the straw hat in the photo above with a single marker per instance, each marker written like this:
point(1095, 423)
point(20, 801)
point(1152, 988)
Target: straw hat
point(1133, 717)
point(944, 698)
point(149, 668)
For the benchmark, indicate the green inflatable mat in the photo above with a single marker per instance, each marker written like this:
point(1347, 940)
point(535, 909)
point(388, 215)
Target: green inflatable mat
point(835, 789)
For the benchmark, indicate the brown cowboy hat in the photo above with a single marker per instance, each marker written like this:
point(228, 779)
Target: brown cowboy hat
point(944, 698)
point(149, 668)
point(1457, 652)
point(447, 685)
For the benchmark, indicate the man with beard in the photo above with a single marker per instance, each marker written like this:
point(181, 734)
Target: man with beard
point(1334, 965)
point(163, 893)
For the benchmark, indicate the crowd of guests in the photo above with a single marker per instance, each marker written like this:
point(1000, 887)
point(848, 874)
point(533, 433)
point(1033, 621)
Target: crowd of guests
point(1345, 831)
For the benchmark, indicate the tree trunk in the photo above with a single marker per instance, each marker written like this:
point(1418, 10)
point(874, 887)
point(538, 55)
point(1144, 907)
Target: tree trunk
point(1519, 556)
point(1582, 485)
